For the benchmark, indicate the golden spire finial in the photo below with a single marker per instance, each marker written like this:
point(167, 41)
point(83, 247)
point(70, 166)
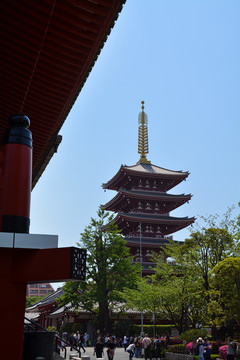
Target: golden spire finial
point(143, 135)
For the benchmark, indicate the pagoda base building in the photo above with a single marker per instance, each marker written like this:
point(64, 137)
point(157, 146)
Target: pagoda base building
point(143, 205)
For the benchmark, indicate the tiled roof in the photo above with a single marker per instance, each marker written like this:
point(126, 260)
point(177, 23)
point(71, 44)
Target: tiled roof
point(147, 171)
point(128, 222)
point(48, 49)
point(31, 316)
point(154, 217)
point(123, 195)
point(117, 308)
point(153, 194)
point(150, 168)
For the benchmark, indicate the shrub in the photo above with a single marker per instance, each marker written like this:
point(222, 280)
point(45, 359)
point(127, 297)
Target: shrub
point(52, 328)
point(128, 327)
point(189, 347)
point(192, 334)
point(216, 345)
point(179, 348)
point(159, 329)
point(223, 352)
point(163, 351)
point(77, 327)
point(66, 327)
point(214, 356)
point(175, 341)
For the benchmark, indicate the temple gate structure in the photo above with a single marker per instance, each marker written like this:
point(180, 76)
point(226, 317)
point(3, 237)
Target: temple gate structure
point(48, 49)
point(142, 202)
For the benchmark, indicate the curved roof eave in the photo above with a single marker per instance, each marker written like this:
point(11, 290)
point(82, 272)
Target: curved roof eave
point(42, 40)
point(143, 170)
point(154, 218)
point(141, 195)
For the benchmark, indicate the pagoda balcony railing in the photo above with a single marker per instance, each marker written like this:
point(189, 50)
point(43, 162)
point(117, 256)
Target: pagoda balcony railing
point(148, 211)
point(147, 236)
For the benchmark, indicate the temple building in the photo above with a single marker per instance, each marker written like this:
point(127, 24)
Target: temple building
point(142, 203)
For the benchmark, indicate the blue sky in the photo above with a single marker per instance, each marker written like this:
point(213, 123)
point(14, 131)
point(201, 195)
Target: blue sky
point(182, 58)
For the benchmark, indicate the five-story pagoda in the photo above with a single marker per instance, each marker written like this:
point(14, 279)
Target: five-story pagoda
point(142, 203)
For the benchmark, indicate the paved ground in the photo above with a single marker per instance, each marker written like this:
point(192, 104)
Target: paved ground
point(120, 354)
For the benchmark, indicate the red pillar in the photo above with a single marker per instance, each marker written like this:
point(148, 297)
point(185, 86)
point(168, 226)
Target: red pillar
point(16, 173)
point(12, 305)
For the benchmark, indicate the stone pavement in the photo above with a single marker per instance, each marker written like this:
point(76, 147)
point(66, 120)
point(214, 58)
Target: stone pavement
point(120, 354)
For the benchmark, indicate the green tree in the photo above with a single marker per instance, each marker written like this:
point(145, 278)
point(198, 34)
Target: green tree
point(30, 300)
point(226, 286)
point(238, 234)
point(180, 294)
point(184, 272)
point(109, 270)
point(172, 293)
point(145, 298)
point(205, 249)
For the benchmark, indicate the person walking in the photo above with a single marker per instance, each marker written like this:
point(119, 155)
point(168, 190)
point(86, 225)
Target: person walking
point(111, 349)
point(147, 347)
point(80, 341)
point(98, 349)
point(72, 341)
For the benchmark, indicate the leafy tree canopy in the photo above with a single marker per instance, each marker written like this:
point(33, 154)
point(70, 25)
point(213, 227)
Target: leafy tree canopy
point(30, 300)
point(209, 245)
point(183, 272)
point(109, 270)
point(226, 282)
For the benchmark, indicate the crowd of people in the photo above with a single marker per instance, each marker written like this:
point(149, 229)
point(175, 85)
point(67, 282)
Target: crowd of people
point(138, 346)
point(76, 340)
point(203, 349)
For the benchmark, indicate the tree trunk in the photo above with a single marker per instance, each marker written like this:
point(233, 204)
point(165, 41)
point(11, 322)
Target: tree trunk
point(104, 318)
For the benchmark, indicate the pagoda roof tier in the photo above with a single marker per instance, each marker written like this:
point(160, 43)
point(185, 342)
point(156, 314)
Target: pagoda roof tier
point(131, 176)
point(168, 224)
point(125, 200)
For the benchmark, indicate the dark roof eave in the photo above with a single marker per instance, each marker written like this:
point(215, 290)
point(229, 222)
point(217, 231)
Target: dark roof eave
point(149, 217)
point(111, 184)
point(146, 195)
